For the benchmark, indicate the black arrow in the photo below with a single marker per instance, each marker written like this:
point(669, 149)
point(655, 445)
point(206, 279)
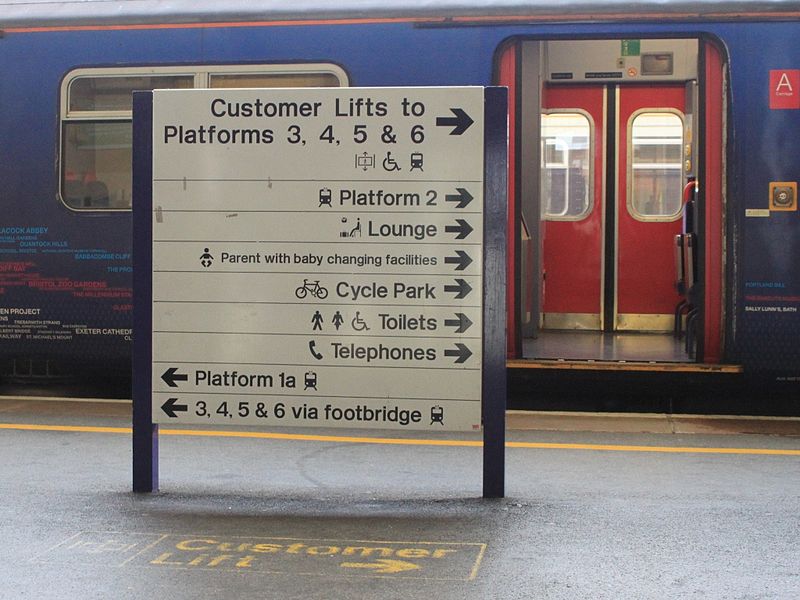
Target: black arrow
point(460, 122)
point(171, 375)
point(461, 323)
point(462, 260)
point(463, 198)
point(463, 229)
point(170, 408)
point(462, 289)
point(463, 353)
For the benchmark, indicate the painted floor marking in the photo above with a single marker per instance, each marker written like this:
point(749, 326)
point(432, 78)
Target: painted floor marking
point(441, 561)
point(411, 441)
point(98, 548)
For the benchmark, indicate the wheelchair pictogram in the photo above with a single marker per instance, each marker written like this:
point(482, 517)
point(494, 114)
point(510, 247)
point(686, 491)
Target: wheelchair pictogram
point(359, 324)
point(389, 163)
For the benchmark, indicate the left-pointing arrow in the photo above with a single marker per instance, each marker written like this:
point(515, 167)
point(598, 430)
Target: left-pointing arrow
point(171, 375)
point(170, 408)
point(462, 259)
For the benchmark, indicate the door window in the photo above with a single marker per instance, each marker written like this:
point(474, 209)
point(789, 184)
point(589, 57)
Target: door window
point(566, 166)
point(655, 166)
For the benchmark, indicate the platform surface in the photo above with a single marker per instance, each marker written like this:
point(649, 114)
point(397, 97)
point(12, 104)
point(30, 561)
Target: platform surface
point(619, 506)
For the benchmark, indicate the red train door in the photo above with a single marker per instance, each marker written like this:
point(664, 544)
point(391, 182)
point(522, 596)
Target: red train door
point(649, 204)
point(572, 206)
point(607, 249)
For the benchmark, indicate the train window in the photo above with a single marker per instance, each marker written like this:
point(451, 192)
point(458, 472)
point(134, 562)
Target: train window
point(285, 80)
point(566, 166)
point(114, 93)
point(96, 164)
point(96, 130)
point(655, 181)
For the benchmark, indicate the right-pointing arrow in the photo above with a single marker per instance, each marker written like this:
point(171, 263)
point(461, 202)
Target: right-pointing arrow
point(460, 121)
point(462, 352)
point(461, 323)
point(462, 259)
point(383, 565)
point(461, 289)
point(463, 198)
point(462, 228)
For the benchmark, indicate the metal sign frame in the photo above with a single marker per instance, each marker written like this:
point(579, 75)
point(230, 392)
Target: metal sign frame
point(493, 380)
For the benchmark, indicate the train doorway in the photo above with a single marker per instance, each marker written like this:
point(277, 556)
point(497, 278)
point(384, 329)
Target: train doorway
point(609, 221)
point(611, 224)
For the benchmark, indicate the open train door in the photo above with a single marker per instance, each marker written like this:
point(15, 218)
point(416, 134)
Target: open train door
point(608, 134)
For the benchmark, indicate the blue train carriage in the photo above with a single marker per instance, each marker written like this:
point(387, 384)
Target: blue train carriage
point(653, 161)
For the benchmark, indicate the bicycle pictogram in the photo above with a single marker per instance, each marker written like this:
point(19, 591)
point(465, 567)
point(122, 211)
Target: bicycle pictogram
point(313, 288)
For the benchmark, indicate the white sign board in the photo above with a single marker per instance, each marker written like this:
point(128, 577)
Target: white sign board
point(317, 257)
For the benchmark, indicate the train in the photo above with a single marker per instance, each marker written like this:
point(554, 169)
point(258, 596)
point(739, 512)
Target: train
point(653, 161)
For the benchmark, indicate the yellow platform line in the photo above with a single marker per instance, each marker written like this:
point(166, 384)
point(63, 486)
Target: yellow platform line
point(408, 441)
point(72, 428)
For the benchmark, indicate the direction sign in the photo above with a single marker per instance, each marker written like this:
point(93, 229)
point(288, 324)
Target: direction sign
point(317, 257)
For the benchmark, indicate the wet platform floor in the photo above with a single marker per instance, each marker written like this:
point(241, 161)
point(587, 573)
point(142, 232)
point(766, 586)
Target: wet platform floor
point(647, 506)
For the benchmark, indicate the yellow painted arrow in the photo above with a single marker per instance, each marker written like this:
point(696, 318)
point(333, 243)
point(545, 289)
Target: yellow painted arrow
point(383, 566)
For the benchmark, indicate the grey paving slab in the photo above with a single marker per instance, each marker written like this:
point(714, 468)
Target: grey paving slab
point(293, 518)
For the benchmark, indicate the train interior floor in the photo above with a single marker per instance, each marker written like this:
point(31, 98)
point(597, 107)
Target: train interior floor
point(597, 345)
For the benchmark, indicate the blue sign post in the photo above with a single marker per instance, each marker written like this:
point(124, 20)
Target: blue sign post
point(145, 432)
point(494, 289)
